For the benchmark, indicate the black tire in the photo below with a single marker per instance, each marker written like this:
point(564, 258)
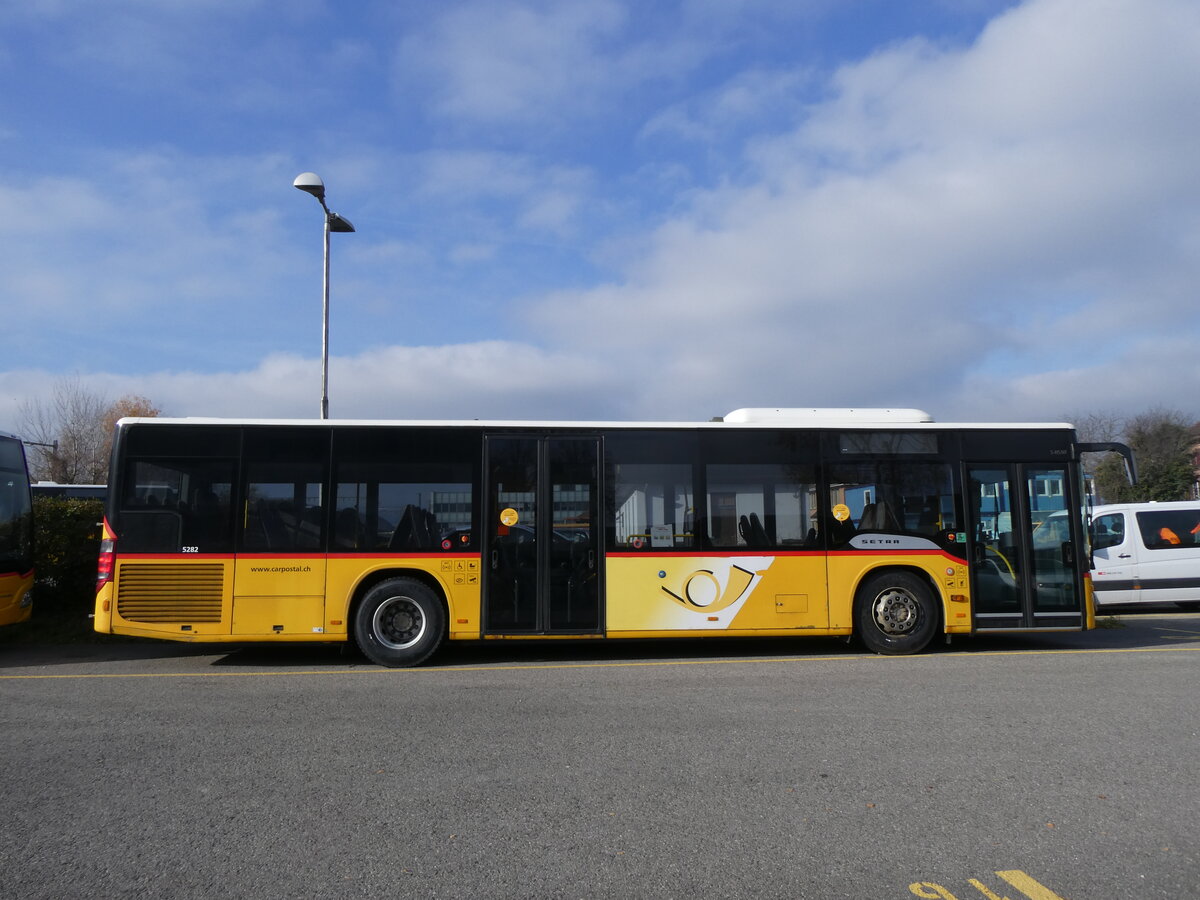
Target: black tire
point(895, 614)
point(400, 623)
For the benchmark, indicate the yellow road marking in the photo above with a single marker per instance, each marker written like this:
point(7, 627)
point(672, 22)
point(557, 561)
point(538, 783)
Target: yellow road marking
point(979, 886)
point(1183, 634)
point(1028, 886)
point(628, 664)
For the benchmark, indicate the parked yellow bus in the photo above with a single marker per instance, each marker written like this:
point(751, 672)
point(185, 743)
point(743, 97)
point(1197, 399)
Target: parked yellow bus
point(399, 535)
point(16, 533)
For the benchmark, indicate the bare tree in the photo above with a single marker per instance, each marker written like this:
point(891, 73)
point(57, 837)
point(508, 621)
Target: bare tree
point(1162, 442)
point(72, 431)
point(68, 423)
point(1099, 427)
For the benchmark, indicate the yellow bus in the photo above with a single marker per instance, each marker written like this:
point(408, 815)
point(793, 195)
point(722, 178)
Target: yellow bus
point(400, 535)
point(16, 533)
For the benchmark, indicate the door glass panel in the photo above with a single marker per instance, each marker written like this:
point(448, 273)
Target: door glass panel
point(997, 562)
point(1054, 553)
point(573, 583)
point(511, 525)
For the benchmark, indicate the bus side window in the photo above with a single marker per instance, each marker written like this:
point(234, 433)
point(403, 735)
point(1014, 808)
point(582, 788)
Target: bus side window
point(283, 514)
point(761, 506)
point(172, 503)
point(403, 491)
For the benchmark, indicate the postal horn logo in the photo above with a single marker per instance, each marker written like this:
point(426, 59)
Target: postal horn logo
point(702, 591)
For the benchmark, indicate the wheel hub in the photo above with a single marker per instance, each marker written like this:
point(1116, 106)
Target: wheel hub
point(398, 623)
point(896, 612)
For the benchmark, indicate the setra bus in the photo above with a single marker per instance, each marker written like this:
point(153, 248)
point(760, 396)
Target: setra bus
point(16, 533)
point(398, 535)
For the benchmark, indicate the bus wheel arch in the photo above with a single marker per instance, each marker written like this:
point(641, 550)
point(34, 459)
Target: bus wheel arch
point(399, 619)
point(897, 611)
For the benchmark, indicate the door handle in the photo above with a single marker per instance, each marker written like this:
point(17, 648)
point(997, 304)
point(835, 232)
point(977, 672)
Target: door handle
point(495, 559)
point(591, 559)
point(1124, 555)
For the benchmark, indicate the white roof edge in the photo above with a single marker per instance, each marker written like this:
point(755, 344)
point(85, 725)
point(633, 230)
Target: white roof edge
point(843, 422)
point(1146, 504)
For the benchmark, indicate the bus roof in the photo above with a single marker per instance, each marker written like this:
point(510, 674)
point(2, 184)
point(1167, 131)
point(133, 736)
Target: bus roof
point(781, 417)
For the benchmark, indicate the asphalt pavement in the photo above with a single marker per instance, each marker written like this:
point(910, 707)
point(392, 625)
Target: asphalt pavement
point(1039, 766)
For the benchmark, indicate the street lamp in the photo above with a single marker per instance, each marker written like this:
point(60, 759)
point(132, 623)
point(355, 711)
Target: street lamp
point(311, 183)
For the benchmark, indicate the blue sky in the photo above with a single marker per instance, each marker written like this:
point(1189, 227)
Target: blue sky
point(603, 209)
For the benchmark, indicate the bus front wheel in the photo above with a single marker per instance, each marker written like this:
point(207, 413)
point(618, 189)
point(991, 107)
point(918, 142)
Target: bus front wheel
point(399, 623)
point(894, 613)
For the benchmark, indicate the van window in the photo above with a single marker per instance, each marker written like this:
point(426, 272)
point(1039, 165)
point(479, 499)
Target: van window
point(1108, 531)
point(1169, 529)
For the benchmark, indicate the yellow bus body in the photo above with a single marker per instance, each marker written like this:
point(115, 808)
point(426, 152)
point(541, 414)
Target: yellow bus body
point(15, 598)
point(309, 598)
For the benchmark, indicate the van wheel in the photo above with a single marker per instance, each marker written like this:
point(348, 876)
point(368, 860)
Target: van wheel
point(399, 623)
point(894, 613)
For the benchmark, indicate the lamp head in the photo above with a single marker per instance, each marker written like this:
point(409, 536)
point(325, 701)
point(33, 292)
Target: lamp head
point(311, 183)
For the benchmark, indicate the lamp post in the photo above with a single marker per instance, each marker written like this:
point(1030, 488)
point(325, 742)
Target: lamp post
point(311, 183)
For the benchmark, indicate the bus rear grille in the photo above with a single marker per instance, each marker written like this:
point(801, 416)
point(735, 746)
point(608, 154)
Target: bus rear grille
point(170, 593)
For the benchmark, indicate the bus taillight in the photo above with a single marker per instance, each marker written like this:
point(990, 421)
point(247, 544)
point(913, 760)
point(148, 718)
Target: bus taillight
point(104, 569)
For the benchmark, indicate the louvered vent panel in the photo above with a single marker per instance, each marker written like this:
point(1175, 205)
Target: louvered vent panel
point(170, 593)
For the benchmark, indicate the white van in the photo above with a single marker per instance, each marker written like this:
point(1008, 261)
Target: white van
point(1146, 553)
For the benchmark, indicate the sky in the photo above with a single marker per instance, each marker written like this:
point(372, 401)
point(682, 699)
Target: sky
point(603, 210)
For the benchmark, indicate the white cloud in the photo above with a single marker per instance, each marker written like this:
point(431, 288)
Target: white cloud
point(1048, 70)
point(490, 379)
point(1144, 374)
point(968, 189)
point(520, 63)
point(757, 97)
point(53, 205)
point(535, 196)
point(466, 254)
point(508, 62)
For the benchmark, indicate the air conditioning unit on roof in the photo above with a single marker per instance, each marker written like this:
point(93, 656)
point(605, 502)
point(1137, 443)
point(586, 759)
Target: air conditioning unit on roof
point(812, 416)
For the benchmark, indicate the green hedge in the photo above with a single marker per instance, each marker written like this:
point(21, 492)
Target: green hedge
point(66, 546)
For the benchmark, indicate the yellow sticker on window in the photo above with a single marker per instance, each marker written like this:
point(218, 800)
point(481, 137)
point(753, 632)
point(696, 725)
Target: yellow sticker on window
point(509, 516)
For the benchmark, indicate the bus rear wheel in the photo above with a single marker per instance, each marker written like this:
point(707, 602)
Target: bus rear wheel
point(400, 622)
point(894, 613)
